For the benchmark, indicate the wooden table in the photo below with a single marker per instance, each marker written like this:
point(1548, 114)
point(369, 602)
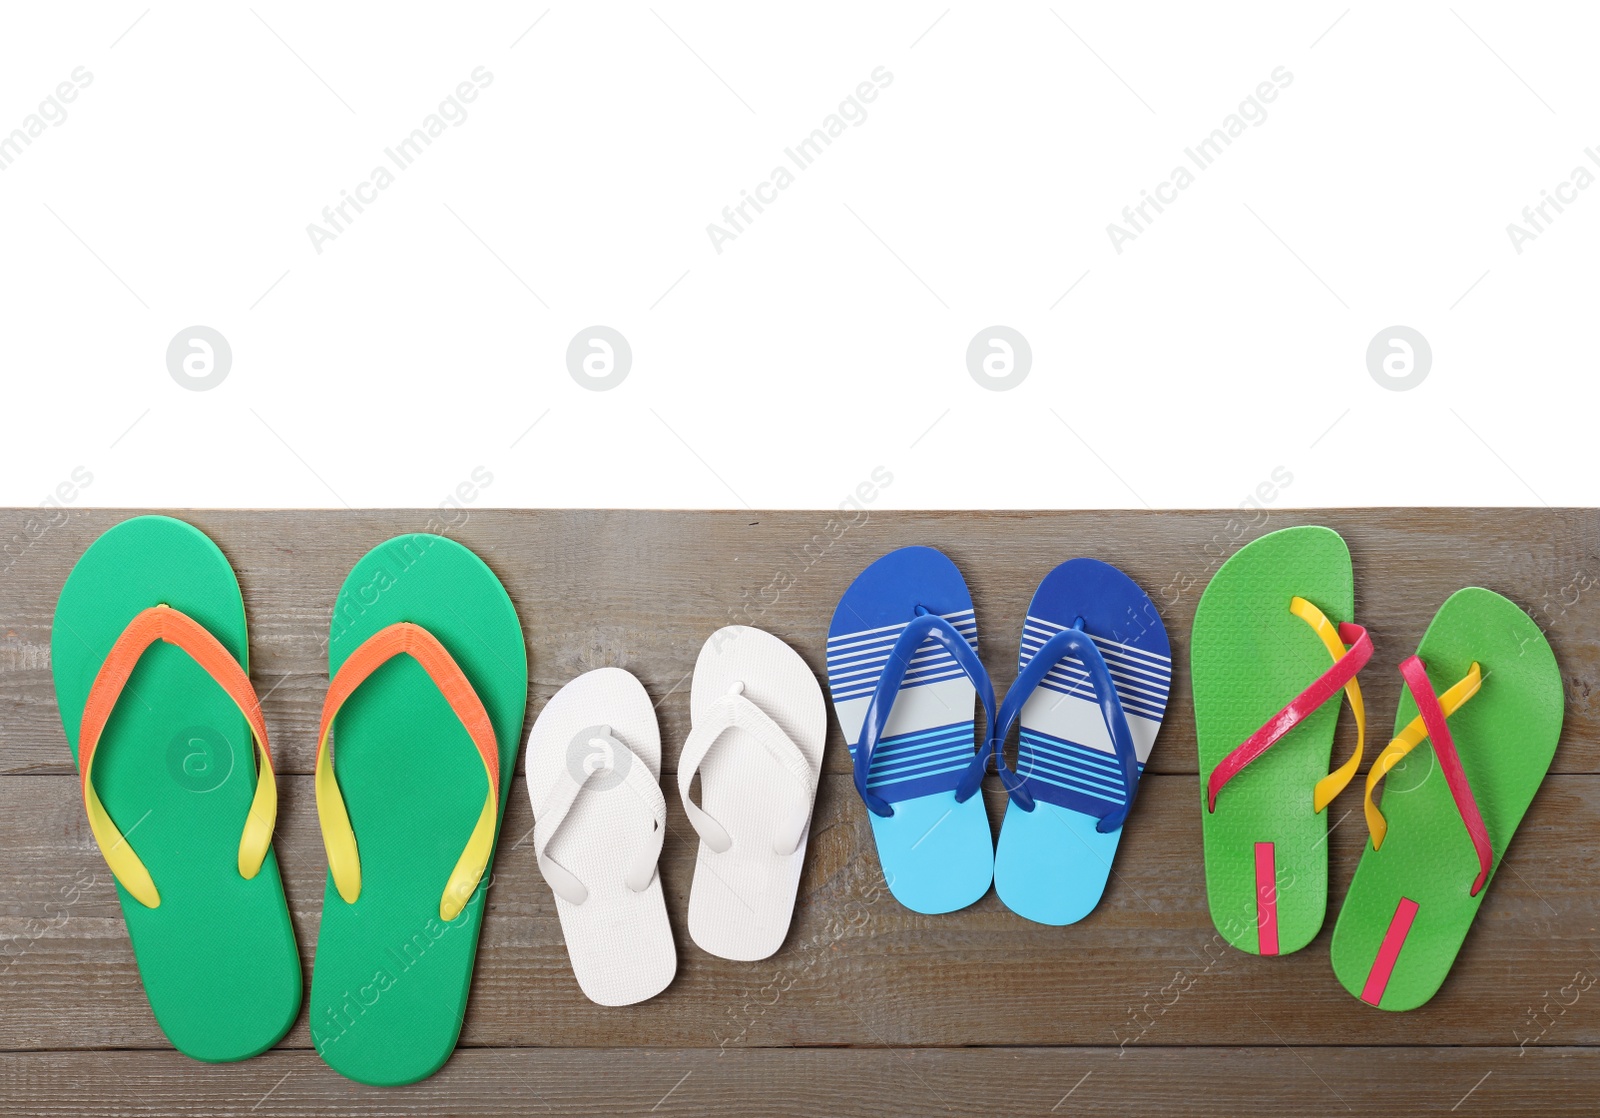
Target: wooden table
point(868, 1008)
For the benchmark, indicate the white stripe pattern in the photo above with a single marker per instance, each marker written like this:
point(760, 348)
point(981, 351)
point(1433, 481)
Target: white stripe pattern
point(856, 660)
point(1142, 678)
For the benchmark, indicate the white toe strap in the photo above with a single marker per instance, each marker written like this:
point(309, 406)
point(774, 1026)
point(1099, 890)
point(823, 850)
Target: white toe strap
point(731, 711)
point(636, 780)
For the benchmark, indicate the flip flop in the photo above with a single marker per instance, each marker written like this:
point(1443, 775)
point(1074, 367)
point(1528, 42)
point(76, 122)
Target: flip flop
point(903, 668)
point(759, 730)
point(430, 680)
point(1260, 658)
point(594, 773)
point(151, 663)
point(1484, 665)
point(1091, 691)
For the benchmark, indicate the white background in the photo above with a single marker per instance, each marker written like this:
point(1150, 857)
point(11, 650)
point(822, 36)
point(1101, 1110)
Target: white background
point(829, 339)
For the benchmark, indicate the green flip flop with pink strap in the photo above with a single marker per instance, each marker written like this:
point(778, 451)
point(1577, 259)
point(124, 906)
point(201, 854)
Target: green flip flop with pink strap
point(1476, 731)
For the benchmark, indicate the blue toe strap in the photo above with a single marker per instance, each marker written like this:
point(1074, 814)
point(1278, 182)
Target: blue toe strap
point(1069, 642)
point(923, 627)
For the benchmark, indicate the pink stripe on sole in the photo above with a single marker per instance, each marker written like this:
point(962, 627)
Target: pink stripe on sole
point(1266, 898)
point(1389, 951)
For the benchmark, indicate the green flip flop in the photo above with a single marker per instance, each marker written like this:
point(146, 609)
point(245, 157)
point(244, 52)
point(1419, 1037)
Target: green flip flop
point(429, 687)
point(151, 663)
point(1490, 700)
point(1260, 656)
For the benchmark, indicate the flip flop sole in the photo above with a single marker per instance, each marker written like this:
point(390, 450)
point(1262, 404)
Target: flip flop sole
point(390, 981)
point(1051, 864)
point(1410, 905)
point(619, 941)
point(741, 901)
point(176, 770)
point(937, 854)
point(1266, 853)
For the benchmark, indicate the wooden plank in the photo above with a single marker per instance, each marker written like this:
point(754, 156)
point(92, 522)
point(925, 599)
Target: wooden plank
point(1224, 1082)
point(642, 590)
point(946, 1013)
point(1146, 968)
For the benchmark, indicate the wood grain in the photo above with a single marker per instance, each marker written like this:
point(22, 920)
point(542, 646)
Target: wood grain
point(868, 1007)
point(643, 590)
point(791, 1083)
point(859, 969)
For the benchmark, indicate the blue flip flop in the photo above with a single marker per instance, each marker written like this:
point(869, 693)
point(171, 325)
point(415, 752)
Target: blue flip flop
point(1094, 673)
point(903, 667)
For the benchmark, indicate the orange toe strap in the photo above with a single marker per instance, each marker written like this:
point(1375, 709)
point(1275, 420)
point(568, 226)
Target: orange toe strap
point(338, 837)
point(163, 623)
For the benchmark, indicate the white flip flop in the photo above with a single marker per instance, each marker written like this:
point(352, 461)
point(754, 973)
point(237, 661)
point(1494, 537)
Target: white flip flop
point(594, 778)
point(759, 729)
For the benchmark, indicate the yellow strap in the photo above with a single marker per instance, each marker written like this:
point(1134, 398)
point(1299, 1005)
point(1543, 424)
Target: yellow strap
point(338, 837)
point(344, 863)
point(1335, 782)
point(258, 825)
point(1415, 733)
point(162, 623)
point(473, 861)
point(131, 873)
point(125, 864)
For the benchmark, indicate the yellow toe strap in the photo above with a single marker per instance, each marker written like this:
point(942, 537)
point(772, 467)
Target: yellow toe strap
point(338, 837)
point(170, 626)
point(1331, 785)
point(1408, 739)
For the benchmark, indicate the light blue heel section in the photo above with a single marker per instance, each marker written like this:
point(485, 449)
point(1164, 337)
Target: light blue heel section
point(935, 852)
point(1052, 865)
